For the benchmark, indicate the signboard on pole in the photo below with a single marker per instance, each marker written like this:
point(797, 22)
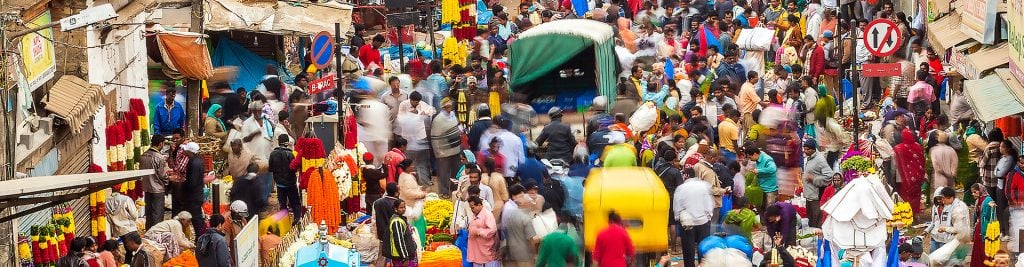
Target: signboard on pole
point(328, 82)
point(247, 244)
point(882, 38)
point(322, 50)
point(37, 53)
point(1015, 32)
point(881, 69)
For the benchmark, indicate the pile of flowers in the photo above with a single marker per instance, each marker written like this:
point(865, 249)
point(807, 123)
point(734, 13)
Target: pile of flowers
point(444, 256)
point(185, 259)
point(901, 212)
point(437, 213)
point(309, 235)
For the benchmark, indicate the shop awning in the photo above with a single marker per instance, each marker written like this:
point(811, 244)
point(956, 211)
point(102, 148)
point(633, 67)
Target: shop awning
point(74, 100)
point(986, 59)
point(282, 17)
point(945, 33)
point(25, 191)
point(1015, 87)
point(991, 98)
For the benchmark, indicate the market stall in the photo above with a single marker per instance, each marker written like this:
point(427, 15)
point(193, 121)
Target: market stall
point(564, 61)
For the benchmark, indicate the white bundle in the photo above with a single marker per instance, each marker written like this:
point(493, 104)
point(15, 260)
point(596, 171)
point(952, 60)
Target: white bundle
point(644, 118)
point(756, 39)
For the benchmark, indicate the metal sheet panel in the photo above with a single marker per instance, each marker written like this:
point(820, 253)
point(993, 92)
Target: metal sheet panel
point(991, 99)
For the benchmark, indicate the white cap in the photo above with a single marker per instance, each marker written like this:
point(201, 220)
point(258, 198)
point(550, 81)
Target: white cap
point(191, 147)
point(239, 206)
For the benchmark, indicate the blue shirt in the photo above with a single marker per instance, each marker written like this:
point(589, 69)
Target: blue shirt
point(532, 170)
point(167, 121)
point(766, 173)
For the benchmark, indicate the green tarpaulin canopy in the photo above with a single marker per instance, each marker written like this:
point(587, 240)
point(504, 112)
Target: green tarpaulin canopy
point(542, 49)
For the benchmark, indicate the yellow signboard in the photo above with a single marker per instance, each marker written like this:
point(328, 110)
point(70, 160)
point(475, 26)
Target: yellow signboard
point(37, 52)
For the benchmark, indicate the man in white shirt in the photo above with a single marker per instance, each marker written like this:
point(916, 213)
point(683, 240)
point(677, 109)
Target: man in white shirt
point(122, 213)
point(413, 116)
point(693, 206)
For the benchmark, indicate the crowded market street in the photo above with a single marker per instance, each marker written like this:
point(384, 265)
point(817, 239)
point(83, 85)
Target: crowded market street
point(462, 133)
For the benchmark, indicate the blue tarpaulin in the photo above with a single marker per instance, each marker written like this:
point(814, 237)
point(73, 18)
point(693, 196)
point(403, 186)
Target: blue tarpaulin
point(251, 67)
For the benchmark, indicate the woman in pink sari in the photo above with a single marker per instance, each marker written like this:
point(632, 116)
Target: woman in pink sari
point(910, 169)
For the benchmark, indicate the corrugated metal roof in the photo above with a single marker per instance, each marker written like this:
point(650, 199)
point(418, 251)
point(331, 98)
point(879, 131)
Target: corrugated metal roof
point(74, 100)
point(991, 98)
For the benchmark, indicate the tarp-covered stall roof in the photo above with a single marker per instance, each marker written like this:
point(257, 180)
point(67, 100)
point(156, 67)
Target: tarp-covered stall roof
point(991, 98)
point(284, 17)
point(544, 48)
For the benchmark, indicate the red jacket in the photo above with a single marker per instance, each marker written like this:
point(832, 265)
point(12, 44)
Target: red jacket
point(613, 246)
point(816, 62)
point(367, 55)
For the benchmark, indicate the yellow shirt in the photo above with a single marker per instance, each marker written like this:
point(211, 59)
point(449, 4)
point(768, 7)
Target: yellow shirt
point(728, 134)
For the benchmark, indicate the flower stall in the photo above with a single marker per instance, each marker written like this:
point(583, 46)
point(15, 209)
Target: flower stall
point(46, 243)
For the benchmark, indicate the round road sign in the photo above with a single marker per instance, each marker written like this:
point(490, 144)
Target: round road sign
point(882, 38)
point(322, 50)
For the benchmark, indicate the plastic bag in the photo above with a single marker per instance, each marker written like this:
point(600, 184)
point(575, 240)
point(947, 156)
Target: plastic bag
point(944, 255)
point(753, 192)
point(824, 254)
point(644, 118)
point(726, 205)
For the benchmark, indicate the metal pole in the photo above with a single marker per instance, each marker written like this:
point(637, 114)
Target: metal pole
point(193, 90)
point(339, 92)
point(854, 77)
point(401, 49)
point(430, 34)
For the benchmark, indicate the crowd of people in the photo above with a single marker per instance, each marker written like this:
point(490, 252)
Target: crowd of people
point(746, 141)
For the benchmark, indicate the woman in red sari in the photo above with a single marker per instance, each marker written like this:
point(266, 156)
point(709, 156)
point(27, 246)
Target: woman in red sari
point(910, 169)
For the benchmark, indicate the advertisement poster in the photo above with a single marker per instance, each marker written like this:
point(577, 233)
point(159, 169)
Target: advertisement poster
point(37, 52)
point(978, 20)
point(247, 244)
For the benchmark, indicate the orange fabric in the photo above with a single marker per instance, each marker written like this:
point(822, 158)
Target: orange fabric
point(1010, 126)
point(628, 37)
point(182, 53)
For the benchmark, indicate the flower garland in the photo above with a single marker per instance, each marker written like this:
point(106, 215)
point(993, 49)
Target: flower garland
point(25, 249)
point(98, 215)
point(991, 242)
point(902, 213)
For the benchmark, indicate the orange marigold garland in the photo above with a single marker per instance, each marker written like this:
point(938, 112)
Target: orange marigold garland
point(321, 187)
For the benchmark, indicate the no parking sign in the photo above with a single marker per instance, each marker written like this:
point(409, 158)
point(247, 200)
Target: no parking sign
point(322, 50)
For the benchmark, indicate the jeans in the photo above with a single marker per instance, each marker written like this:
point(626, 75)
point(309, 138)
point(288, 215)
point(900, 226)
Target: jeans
point(935, 245)
point(154, 208)
point(288, 197)
point(421, 164)
point(692, 235)
point(728, 155)
point(1002, 213)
